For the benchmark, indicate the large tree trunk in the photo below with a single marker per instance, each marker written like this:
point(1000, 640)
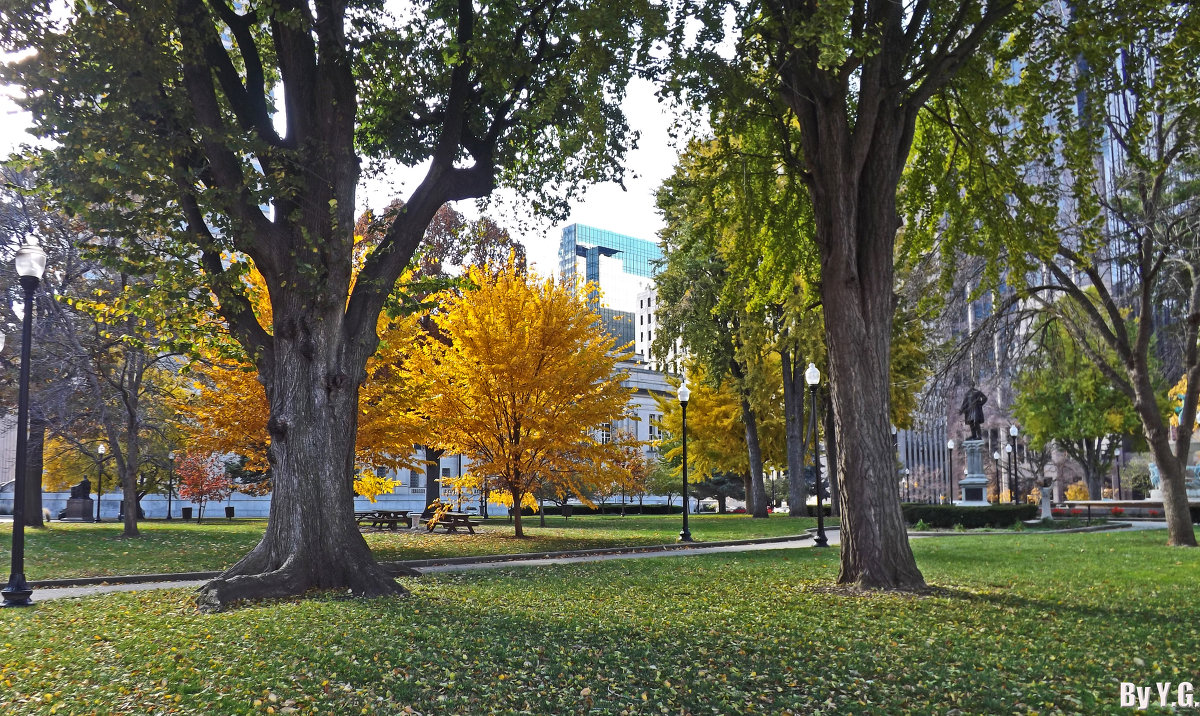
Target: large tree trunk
point(758, 491)
point(35, 454)
point(311, 540)
point(1171, 464)
point(857, 116)
point(793, 411)
point(129, 458)
point(433, 475)
point(856, 221)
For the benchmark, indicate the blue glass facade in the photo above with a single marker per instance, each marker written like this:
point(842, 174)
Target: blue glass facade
point(636, 255)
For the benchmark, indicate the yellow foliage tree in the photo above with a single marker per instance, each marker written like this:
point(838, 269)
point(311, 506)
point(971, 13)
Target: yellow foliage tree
point(226, 410)
point(526, 377)
point(716, 433)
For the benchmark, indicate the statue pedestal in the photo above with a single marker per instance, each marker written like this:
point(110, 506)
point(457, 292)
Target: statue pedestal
point(1047, 491)
point(79, 509)
point(973, 487)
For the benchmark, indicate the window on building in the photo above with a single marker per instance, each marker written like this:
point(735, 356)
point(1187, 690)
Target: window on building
point(653, 430)
point(606, 433)
point(640, 302)
point(641, 319)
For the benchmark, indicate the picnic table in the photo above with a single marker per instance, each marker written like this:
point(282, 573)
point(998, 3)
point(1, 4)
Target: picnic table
point(379, 518)
point(451, 522)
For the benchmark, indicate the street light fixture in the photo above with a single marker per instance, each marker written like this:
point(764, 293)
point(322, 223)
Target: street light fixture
point(996, 463)
point(171, 482)
point(812, 376)
point(31, 263)
point(685, 535)
point(950, 470)
point(1116, 457)
point(1011, 449)
point(100, 477)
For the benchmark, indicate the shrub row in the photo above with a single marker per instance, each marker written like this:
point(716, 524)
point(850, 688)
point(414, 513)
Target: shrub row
point(947, 516)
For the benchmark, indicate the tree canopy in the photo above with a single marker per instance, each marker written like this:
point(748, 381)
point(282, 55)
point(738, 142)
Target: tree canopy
point(524, 381)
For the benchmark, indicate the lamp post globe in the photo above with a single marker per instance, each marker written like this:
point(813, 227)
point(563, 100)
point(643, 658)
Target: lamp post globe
point(812, 376)
point(30, 262)
point(685, 394)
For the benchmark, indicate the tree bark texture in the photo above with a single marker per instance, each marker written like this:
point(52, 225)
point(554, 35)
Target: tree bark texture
point(831, 452)
point(433, 475)
point(855, 208)
point(793, 410)
point(758, 492)
point(311, 540)
point(1171, 463)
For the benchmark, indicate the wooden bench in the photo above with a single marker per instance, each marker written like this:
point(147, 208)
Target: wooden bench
point(381, 518)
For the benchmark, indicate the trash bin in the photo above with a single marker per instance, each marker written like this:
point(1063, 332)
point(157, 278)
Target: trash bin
point(229, 512)
point(186, 512)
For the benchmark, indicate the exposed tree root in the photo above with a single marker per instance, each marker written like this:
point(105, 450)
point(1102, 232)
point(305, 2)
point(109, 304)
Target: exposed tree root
point(243, 583)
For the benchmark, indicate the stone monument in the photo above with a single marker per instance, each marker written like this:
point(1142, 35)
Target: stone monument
point(974, 484)
point(79, 505)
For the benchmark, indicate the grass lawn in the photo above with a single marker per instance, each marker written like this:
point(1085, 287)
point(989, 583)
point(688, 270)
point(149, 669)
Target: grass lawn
point(78, 549)
point(1025, 623)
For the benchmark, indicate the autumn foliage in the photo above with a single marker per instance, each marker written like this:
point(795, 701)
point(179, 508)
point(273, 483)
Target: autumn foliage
point(226, 411)
point(201, 479)
point(526, 377)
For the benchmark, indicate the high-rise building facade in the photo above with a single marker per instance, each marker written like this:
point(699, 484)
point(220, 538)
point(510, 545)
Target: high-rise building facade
point(621, 266)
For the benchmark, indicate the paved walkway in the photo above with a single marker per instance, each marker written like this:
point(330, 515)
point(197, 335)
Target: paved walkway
point(45, 594)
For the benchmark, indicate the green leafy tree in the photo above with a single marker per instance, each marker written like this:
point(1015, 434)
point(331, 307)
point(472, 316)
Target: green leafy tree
point(855, 76)
point(1062, 398)
point(194, 116)
point(1023, 181)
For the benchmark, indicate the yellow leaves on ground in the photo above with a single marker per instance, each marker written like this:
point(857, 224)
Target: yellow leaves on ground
point(526, 378)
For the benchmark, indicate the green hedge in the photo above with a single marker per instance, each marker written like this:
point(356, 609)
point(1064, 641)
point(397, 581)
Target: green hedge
point(947, 516)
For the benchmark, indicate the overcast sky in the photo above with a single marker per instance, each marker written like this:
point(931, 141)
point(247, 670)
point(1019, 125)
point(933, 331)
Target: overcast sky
point(605, 206)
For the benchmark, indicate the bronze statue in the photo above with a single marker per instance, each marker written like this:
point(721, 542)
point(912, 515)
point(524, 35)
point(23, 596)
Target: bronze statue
point(972, 410)
point(82, 490)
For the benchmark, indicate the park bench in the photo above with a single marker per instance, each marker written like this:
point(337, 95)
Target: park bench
point(381, 518)
point(451, 522)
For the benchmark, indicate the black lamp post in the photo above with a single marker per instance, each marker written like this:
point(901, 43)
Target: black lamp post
point(31, 262)
point(1116, 457)
point(685, 535)
point(100, 478)
point(170, 482)
point(950, 470)
point(812, 376)
point(1011, 449)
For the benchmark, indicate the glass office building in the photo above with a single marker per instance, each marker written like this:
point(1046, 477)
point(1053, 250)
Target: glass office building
point(622, 266)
